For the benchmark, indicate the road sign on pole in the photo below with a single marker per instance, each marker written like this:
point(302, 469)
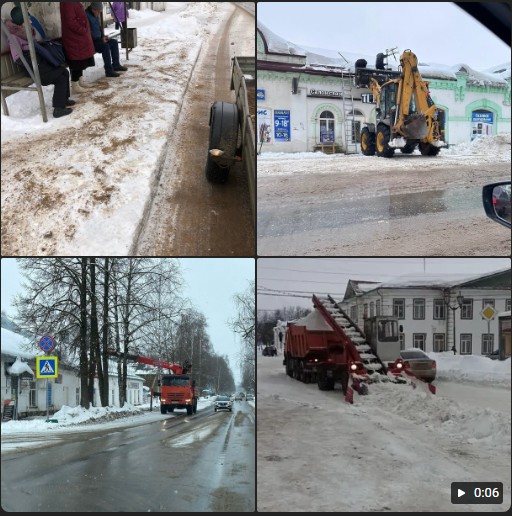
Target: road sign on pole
point(47, 367)
point(46, 343)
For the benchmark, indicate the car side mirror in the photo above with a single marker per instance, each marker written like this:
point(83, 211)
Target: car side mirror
point(497, 202)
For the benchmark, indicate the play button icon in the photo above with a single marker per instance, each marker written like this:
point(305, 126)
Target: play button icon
point(476, 492)
point(460, 493)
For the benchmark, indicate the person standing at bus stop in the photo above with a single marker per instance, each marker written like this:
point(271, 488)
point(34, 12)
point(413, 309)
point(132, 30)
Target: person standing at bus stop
point(77, 43)
point(120, 14)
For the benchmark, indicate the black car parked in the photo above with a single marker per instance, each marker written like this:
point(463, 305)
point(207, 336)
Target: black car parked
point(269, 351)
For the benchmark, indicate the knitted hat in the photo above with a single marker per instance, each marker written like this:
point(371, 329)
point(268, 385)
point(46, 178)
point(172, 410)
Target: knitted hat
point(97, 5)
point(17, 16)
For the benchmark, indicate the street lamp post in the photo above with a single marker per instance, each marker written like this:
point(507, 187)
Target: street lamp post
point(460, 300)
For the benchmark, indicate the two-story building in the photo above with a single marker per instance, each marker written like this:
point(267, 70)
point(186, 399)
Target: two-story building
point(437, 313)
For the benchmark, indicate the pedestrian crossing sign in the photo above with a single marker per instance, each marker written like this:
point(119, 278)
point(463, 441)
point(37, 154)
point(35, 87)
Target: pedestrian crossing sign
point(47, 367)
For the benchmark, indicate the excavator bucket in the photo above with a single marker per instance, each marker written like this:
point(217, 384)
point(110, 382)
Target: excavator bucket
point(415, 127)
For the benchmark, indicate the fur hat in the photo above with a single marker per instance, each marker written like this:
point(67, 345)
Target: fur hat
point(17, 16)
point(97, 5)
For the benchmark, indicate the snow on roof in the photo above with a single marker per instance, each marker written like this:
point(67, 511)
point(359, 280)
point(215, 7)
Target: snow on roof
point(330, 60)
point(13, 344)
point(279, 45)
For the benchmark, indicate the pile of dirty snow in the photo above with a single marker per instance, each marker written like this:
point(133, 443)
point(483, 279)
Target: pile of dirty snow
point(496, 145)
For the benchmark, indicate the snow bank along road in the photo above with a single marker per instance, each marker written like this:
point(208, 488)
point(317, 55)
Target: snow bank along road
point(360, 205)
point(397, 449)
point(188, 215)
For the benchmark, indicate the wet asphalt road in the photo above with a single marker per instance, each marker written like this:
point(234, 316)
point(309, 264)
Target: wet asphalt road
point(200, 463)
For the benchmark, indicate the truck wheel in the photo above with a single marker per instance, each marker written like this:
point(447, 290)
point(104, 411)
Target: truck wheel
point(367, 142)
point(171, 409)
point(344, 380)
point(427, 149)
point(408, 149)
point(382, 142)
point(195, 407)
point(223, 136)
point(189, 410)
point(163, 409)
point(325, 383)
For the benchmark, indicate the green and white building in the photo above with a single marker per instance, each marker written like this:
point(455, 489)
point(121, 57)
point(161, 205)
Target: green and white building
point(306, 98)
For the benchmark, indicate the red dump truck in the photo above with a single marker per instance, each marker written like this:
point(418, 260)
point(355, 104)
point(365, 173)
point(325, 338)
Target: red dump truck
point(327, 347)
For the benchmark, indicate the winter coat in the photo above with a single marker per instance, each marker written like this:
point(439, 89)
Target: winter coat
point(94, 23)
point(118, 8)
point(76, 33)
point(19, 34)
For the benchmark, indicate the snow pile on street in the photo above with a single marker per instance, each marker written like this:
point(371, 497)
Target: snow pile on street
point(496, 145)
point(472, 368)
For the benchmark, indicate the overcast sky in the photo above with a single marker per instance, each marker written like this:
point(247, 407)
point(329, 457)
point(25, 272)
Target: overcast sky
point(302, 277)
point(211, 285)
point(437, 32)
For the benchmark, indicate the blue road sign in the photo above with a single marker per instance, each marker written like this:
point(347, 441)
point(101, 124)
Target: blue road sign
point(46, 343)
point(47, 367)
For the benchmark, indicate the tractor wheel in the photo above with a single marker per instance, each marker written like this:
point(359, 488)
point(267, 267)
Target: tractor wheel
point(223, 136)
point(382, 142)
point(408, 149)
point(427, 149)
point(367, 142)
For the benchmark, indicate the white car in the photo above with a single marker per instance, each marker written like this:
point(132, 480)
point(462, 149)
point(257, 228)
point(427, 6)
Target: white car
point(223, 403)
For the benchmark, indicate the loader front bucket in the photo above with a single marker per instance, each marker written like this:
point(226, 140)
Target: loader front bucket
point(415, 127)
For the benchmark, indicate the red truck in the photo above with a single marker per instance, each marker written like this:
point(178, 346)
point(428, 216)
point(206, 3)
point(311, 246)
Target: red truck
point(178, 390)
point(327, 347)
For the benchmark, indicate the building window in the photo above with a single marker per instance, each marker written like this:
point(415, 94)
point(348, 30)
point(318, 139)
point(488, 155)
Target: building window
point(353, 313)
point(365, 311)
point(418, 309)
point(327, 127)
point(508, 304)
point(486, 302)
point(377, 307)
point(372, 309)
point(418, 340)
point(32, 395)
point(465, 343)
point(399, 308)
point(439, 342)
point(466, 311)
point(487, 343)
point(402, 341)
point(439, 309)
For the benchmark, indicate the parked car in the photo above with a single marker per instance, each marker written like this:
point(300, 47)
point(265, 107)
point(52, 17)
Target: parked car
point(223, 403)
point(495, 355)
point(419, 364)
point(269, 351)
point(249, 397)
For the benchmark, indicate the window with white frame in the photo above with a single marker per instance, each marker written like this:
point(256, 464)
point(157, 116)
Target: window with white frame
point(465, 343)
point(487, 302)
point(365, 311)
point(353, 313)
point(418, 309)
point(439, 342)
point(32, 395)
point(419, 340)
point(487, 343)
point(372, 309)
point(439, 309)
point(399, 308)
point(377, 307)
point(466, 311)
point(402, 341)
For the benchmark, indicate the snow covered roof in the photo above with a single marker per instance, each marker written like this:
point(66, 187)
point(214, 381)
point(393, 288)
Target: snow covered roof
point(13, 344)
point(319, 59)
point(426, 281)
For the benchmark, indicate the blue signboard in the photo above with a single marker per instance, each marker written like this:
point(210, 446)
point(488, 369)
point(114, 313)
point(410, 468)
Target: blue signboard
point(281, 125)
point(260, 94)
point(47, 367)
point(326, 136)
point(483, 117)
